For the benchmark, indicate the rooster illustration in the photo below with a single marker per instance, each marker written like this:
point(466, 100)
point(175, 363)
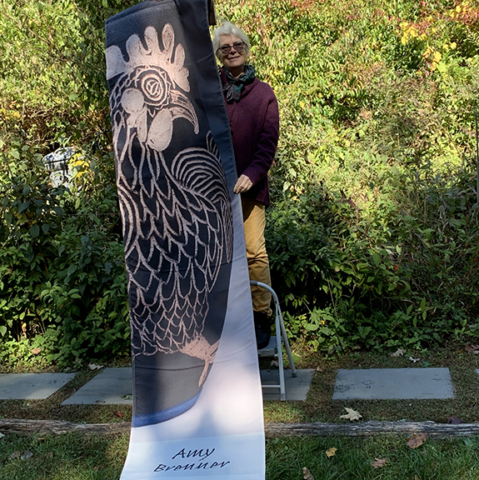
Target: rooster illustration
point(177, 220)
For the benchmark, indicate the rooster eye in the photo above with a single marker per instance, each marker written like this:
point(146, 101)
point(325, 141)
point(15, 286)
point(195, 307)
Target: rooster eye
point(132, 100)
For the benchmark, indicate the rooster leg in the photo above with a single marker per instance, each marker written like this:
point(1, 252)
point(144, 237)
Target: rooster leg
point(200, 348)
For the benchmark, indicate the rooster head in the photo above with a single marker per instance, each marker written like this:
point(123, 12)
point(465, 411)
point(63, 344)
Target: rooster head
point(153, 83)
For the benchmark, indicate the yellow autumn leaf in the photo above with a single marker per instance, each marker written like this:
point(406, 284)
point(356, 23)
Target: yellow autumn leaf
point(351, 415)
point(379, 462)
point(331, 452)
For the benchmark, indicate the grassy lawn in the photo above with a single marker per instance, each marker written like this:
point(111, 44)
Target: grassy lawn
point(76, 457)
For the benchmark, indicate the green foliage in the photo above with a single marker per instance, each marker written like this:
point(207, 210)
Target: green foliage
point(62, 276)
point(373, 231)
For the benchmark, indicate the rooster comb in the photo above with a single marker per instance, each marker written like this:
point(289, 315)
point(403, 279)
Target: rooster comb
point(168, 58)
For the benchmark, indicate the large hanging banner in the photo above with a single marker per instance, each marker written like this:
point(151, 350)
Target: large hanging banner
point(197, 401)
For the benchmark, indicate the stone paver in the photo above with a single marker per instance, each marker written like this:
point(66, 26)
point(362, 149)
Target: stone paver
point(393, 383)
point(296, 387)
point(31, 386)
point(110, 386)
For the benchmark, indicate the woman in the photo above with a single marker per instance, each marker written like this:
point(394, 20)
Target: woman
point(254, 120)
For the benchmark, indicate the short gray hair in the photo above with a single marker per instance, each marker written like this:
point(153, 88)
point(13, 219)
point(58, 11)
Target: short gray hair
point(227, 28)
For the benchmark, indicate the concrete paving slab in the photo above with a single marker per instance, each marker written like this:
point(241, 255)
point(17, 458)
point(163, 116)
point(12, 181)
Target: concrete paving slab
point(114, 386)
point(297, 388)
point(31, 386)
point(393, 383)
point(110, 386)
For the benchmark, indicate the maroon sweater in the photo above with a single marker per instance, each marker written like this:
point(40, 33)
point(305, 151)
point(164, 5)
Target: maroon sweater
point(254, 123)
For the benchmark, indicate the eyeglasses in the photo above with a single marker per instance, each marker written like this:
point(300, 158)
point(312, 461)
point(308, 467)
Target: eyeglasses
point(238, 46)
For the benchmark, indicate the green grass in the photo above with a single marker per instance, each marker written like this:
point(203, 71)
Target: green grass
point(69, 457)
point(435, 460)
point(76, 457)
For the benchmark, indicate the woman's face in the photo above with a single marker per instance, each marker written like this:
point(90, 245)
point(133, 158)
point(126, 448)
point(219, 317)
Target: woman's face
point(233, 60)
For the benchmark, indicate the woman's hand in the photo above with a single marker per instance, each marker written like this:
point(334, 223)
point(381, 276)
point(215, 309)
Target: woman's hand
point(243, 184)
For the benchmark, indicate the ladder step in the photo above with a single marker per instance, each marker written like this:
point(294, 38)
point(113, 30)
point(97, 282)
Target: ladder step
point(271, 349)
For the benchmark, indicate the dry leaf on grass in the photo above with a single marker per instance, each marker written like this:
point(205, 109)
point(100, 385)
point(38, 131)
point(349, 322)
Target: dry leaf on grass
point(351, 415)
point(414, 360)
point(417, 440)
point(118, 414)
point(93, 366)
point(398, 353)
point(473, 349)
point(22, 456)
point(319, 369)
point(36, 351)
point(307, 474)
point(331, 452)
point(379, 462)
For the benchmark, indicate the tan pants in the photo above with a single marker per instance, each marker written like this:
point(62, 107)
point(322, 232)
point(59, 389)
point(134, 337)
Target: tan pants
point(258, 264)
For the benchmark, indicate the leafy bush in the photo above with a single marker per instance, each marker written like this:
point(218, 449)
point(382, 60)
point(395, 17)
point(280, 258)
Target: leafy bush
point(62, 275)
point(373, 230)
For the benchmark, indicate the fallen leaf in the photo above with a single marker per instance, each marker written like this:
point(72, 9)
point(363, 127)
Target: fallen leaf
point(93, 366)
point(379, 462)
point(26, 455)
point(331, 452)
point(398, 353)
point(319, 369)
point(307, 474)
point(36, 351)
point(473, 349)
point(15, 455)
point(351, 415)
point(417, 440)
point(118, 414)
point(414, 360)
point(454, 420)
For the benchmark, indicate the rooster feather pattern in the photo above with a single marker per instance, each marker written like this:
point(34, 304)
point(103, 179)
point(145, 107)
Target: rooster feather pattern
point(175, 204)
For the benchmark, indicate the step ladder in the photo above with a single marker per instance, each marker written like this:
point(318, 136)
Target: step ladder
point(276, 343)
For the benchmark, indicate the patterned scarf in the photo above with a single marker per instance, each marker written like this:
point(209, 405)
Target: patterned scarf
point(235, 86)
